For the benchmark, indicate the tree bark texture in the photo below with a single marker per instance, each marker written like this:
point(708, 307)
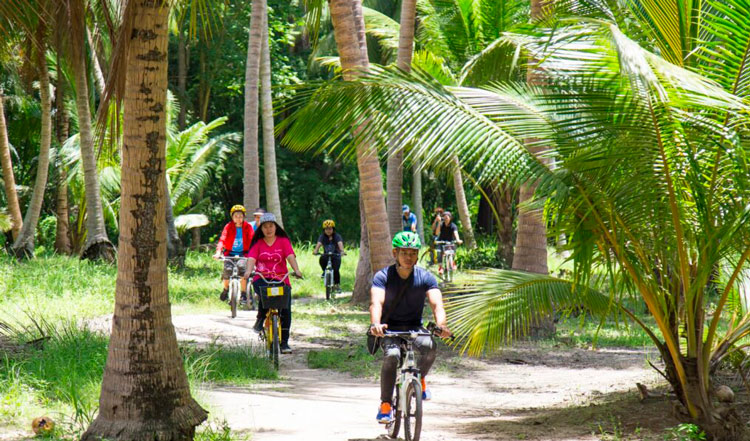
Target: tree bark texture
point(273, 201)
point(145, 393)
point(97, 244)
point(503, 198)
point(98, 74)
point(416, 196)
point(463, 206)
point(395, 171)
point(348, 23)
point(9, 180)
point(62, 126)
point(24, 243)
point(251, 177)
point(363, 274)
point(182, 68)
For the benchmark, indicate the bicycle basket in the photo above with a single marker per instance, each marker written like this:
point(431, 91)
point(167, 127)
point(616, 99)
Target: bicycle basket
point(275, 296)
point(449, 249)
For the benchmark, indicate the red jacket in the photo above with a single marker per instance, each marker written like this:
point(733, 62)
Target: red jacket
point(227, 238)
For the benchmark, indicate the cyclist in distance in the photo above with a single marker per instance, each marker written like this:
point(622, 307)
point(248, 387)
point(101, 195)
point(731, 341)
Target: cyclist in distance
point(257, 213)
point(332, 243)
point(397, 299)
point(408, 219)
point(270, 250)
point(446, 231)
point(234, 241)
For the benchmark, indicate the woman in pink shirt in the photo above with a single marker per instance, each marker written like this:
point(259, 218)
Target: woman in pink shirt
point(270, 250)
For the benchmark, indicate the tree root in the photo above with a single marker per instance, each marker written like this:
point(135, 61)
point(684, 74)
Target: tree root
point(100, 249)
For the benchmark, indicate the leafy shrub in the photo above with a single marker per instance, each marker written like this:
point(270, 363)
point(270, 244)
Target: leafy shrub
point(480, 257)
point(46, 232)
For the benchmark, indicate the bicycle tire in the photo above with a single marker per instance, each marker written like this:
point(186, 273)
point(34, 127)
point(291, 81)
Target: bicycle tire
point(275, 344)
point(395, 425)
point(329, 284)
point(449, 269)
point(413, 411)
point(233, 299)
point(250, 305)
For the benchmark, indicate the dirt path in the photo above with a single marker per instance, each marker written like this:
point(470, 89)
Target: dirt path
point(524, 393)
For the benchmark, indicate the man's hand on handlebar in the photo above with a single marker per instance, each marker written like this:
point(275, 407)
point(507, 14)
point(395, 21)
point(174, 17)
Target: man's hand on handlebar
point(378, 330)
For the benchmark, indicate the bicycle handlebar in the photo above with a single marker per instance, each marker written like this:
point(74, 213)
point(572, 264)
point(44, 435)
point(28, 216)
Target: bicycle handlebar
point(253, 274)
point(328, 254)
point(445, 242)
point(431, 327)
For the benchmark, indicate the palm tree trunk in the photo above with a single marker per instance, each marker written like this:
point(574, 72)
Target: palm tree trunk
point(463, 206)
point(182, 79)
point(503, 198)
point(416, 196)
point(273, 202)
point(98, 75)
point(251, 179)
point(395, 171)
point(531, 241)
point(24, 244)
point(62, 126)
point(14, 209)
point(348, 24)
point(97, 244)
point(363, 274)
point(145, 393)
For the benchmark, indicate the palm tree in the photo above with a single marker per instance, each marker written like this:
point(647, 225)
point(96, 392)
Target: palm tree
point(348, 24)
point(251, 176)
point(24, 243)
point(9, 180)
point(145, 392)
point(62, 127)
point(273, 202)
point(97, 244)
point(650, 181)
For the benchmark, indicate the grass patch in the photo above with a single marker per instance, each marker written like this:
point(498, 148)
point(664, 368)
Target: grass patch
point(233, 365)
point(354, 360)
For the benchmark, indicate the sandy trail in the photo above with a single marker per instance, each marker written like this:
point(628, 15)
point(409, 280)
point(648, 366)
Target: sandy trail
point(521, 394)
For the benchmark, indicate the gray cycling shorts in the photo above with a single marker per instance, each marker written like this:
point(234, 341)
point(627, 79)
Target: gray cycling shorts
point(227, 273)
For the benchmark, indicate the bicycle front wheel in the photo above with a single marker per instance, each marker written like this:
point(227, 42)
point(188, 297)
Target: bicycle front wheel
point(234, 294)
point(413, 411)
point(449, 269)
point(395, 424)
point(275, 344)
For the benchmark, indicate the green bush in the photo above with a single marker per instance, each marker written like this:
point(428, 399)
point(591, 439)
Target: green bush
point(46, 232)
point(480, 257)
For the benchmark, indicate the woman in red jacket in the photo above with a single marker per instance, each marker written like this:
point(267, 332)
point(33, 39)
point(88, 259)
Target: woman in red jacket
point(234, 241)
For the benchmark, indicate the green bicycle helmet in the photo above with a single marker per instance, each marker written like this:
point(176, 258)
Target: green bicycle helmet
point(407, 239)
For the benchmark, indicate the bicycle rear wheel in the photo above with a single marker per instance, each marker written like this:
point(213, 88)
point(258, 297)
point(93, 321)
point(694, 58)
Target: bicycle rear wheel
point(234, 295)
point(413, 411)
point(449, 269)
point(275, 344)
point(395, 424)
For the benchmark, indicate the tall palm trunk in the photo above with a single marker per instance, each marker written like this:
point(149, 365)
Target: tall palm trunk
point(416, 196)
point(62, 126)
point(395, 171)
point(14, 209)
point(463, 206)
point(273, 202)
point(251, 176)
point(145, 392)
point(97, 244)
point(348, 24)
point(24, 243)
point(98, 74)
point(182, 68)
point(531, 241)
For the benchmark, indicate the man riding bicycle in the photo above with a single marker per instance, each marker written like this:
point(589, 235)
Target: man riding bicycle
point(396, 302)
point(446, 231)
point(234, 241)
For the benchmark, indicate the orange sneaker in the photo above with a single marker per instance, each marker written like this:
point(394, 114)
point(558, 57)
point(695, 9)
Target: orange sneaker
point(385, 413)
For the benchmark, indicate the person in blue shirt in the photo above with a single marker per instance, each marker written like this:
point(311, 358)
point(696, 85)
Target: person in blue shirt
point(408, 219)
point(418, 285)
point(256, 217)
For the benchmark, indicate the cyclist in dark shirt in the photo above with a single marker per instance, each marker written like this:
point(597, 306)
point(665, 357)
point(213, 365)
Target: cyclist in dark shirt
point(418, 284)
point(446, 231)
point(331, 242)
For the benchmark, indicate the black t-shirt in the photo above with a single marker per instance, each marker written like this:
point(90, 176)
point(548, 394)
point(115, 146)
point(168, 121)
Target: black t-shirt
point(330, 244)
point(447, 232)
point(408, 314)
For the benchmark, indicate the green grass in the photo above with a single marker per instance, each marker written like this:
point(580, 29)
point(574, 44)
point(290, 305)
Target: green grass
point(354, 360)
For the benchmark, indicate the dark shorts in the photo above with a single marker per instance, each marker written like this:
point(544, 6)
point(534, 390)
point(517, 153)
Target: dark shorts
point(227, 273)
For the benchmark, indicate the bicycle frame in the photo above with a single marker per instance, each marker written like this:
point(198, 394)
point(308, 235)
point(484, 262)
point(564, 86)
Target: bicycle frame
point(235, 285)
point(447, 257)
point(328, 275)
point(269, 334)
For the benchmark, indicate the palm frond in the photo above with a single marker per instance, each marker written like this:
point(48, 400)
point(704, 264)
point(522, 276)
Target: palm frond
point(499, 306)
point(186, 222)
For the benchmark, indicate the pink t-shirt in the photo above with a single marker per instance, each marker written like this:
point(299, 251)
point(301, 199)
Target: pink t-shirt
point(270, 260)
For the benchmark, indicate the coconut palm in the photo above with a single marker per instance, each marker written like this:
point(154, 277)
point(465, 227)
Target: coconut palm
point(251, 174)
point(273, 202)
point(9, 180)
point(647, 154)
